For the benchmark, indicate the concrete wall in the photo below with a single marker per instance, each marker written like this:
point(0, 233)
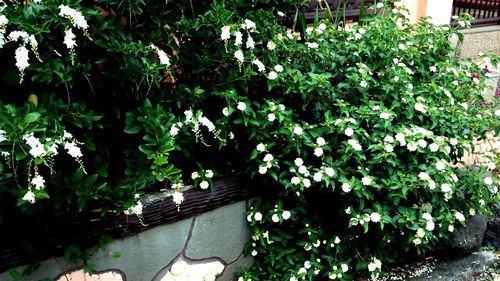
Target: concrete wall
point(206, 247)
point(480, 39)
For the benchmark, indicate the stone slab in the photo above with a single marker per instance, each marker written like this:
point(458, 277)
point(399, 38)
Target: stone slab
point(146, 253)
point(219, 233)
point(461, 269)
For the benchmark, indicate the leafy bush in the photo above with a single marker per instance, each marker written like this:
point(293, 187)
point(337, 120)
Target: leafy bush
point(354, 131)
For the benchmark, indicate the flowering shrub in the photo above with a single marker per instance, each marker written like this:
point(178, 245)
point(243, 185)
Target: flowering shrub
point(355, 131)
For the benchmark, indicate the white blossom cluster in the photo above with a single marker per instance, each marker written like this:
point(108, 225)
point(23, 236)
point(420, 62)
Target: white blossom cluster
point(76, 17)
point(420, 235)
point(46, 152)
point(204, 175)
point(249, 27)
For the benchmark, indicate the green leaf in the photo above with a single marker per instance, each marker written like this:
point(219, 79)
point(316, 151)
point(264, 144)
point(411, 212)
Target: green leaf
point(31, 117)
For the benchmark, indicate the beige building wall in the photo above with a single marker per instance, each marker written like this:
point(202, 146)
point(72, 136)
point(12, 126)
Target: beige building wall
point(438, 10)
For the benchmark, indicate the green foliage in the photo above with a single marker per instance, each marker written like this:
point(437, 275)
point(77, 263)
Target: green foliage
point(356, 131)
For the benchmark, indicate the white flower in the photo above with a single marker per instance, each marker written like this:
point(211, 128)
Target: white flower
point(318, 176)
point(2, 136)
point(318, 151)
point(16, 34)
point(329, 171)
point(303, 170)
point(268, 158)
point(312, 45)
point(423, 176)
point(355, 144)
point(348, 132)
point(459, 216)
point(430, 225)
point(344, 267)
point(488, 180)
point(453, 141)
point(174, 130)
point(389, 139)
point(434, 147)
point(74, 16)
point(417, 241)
point(272, 75)
point(320, 141)
point(241, 106)
point(420, 233)
point(451, 228)
point(262, 170)
point(257, 216)
point(250, 25)
point(295, 180)
point(177, 197)
point(207, 123)
point(400, 137)
point(278, 68)
point(261, 147)
point(422, 143)
point(204, 185)
point(306, 182)
point(22, 58)
point(363, 84)
point(366, 181)
point(337, 240)
point(250, 43)
point(375, 217)
point(346, 187)
point(225, 32)
point(297, 130)
point(189, 115)
point(69, 39)
point(385, 115)
point(420, 107)
point(286, 215)
point(239, 56)
point(440, 165)
point(298, 162)
point(38, 182)
point(271, 45)
point(225, 111)
point(238, 40)
point(194, 175)
point(491, 166)
point(380, 5)
point(259, 64)
point(3, 21)
point(29, 197)
point(389, 148)
point(73, 150)
point(432, 184)
point(271, 117)
point(275, 218)
point(445, 187)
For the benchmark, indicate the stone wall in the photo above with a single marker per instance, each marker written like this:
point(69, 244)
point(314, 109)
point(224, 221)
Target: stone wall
point(205, 247)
